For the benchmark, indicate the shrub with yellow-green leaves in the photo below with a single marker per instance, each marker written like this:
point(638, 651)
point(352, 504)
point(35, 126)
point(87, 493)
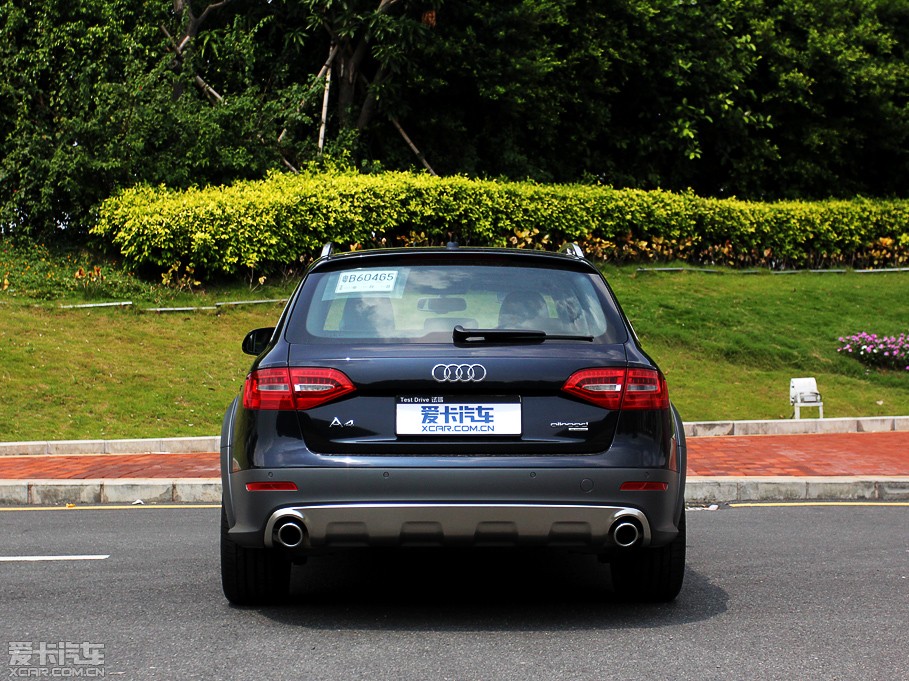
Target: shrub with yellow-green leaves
point(284, 219)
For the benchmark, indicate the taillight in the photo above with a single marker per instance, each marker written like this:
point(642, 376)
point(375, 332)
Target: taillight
point(619, 388)
point(295, 388)
point(314, 386)
point(268, 389)
point(603, 387)
point(645, 389)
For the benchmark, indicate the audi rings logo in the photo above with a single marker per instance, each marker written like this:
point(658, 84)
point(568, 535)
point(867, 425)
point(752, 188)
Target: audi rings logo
point(459, 373)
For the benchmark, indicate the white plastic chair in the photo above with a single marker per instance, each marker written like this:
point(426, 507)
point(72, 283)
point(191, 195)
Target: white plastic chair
point(803, 392)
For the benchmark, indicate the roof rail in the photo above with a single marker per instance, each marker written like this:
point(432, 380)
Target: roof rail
point(573, 250)
point(328, 249)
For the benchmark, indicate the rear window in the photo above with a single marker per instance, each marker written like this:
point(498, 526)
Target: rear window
point(423, 303)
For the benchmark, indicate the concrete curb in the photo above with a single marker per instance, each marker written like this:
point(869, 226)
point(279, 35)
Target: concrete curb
point(167, 445)
point(766, 488)
point(188, 445)
point(699, 490)
point(871, 424)
point(109, 491)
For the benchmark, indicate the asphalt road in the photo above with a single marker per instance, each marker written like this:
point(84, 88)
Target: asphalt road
point(771, 593)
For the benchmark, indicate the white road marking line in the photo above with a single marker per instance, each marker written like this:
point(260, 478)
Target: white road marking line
point(40, 559)
point(106, 507)
point(778, 504)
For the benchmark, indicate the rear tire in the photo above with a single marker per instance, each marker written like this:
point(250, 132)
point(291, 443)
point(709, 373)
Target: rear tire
point(252, 576)
point(653, 575)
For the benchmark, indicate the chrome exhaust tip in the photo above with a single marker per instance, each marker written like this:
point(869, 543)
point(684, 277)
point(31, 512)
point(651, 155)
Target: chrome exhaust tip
point(626, 534)
point(290, 534)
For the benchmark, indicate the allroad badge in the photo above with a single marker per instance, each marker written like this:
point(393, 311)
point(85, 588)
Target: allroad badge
point(579, 426)
point(459, 373)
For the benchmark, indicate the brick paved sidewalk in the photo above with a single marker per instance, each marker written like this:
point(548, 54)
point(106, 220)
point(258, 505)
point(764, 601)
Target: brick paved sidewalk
point(109, 466)
point(842, 454)
point(827, 454)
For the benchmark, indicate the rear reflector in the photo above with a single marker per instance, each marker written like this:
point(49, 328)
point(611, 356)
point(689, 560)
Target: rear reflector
point(644, 486)
point(294, 388)
point(276, 486)
point(620, 388)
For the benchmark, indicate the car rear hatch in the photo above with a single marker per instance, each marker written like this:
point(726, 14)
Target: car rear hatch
point(447, 401)
point(458, 354)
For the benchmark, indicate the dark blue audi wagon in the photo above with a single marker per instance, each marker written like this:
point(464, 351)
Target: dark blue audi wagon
point(452, 397)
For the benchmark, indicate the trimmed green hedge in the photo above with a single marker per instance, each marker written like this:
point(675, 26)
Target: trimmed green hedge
point(286, 219)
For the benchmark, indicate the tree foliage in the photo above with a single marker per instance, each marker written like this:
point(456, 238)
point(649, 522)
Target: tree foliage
point(767, 99)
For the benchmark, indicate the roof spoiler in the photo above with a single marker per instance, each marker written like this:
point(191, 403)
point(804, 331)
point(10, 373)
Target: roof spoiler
point(570, 248)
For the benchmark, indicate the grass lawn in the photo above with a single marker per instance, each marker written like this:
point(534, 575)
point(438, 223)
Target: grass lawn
point(87, 374)
point(728, 343)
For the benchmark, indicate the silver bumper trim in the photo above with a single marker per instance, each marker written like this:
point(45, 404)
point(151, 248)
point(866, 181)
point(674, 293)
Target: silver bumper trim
point(401, 524)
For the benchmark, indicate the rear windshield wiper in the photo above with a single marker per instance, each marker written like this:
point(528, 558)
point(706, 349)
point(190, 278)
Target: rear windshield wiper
point(462, 335)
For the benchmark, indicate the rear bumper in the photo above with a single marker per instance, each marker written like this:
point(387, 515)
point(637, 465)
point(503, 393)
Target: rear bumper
point(348, 525)
point(452, 507)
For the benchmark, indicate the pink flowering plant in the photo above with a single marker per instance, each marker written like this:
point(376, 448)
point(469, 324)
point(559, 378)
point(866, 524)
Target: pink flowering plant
point(889, 352)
